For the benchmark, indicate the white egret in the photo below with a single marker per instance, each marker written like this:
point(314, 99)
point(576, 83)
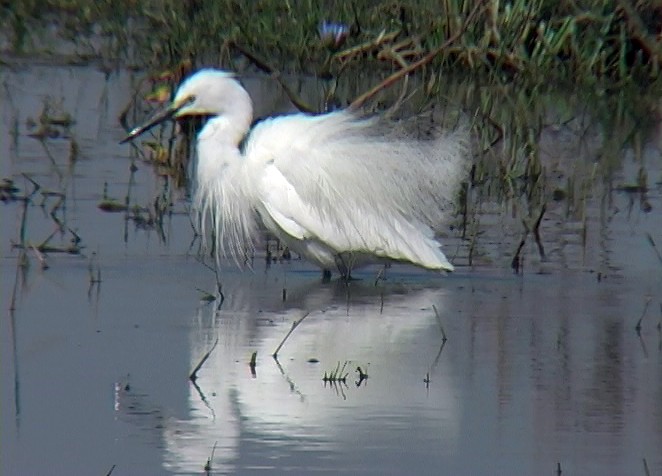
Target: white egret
point(338, 189)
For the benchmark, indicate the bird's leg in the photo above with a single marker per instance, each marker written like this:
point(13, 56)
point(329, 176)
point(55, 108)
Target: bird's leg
point(344, 270)
point(326, 275)
point(381, 276)
point(268, 254)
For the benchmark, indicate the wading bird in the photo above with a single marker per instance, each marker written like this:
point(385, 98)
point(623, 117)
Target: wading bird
point(338, 189)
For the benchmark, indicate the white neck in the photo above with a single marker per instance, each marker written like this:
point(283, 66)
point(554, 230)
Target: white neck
point(218, 147)
point(218, 141)
point(225, 130)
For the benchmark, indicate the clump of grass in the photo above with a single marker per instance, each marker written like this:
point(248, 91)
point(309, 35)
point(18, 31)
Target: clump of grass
point(73, 247)
point(8, 190)
point(54, 122)
point(337, 375)
point(543, 40)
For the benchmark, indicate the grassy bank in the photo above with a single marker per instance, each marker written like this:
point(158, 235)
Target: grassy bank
point(611, 42)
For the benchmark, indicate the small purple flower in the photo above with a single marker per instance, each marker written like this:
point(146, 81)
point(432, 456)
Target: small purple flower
point(333, 35)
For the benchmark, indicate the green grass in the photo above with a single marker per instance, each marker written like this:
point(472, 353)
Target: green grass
point(614, 42)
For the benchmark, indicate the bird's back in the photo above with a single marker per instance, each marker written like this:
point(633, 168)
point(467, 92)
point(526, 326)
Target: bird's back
point(353, 186)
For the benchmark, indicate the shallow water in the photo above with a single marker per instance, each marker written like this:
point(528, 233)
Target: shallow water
point(539, 369)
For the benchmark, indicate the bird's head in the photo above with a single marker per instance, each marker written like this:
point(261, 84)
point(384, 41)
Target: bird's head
point(209, 92)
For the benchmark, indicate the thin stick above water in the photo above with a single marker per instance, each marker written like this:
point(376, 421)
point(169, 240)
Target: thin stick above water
point(643, 314)
point(194, 374)
point(295, 324)
point(441, 326)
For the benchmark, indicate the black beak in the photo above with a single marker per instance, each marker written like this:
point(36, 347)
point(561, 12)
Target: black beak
point(161, 116)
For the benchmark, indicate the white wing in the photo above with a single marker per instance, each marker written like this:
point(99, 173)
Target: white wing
point(340, 181)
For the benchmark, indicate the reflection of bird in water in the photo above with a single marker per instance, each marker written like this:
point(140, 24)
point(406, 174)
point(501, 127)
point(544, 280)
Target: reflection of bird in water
point(301, 416)
point(338, 189)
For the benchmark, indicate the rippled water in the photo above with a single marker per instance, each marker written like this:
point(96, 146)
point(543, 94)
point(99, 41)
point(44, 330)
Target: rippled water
point(539, 369)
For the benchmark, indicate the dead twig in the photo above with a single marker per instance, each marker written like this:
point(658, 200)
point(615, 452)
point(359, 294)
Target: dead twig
point(40, 257)
point(194, 375)
point(360, 101)
point(516, 263)
point(210, 459)
point(441, 326)
point(383, 37)
point(267, 68)
point(295, 324)
point(652, 243)
point(643, 314)
point(253, 363)
point(536, 232)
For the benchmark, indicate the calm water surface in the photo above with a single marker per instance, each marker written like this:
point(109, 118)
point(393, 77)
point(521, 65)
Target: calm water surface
point(540, 368)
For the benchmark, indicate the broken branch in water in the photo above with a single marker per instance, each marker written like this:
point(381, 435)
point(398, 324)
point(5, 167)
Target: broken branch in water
point(362, 375)
point(441, 326)
point(208, 466)
point(93, 269)
point(194, 375)
point(643, 314)
point(516, 263)
point(44, 248)
point(652, 243)
point(536, 232)
point(40, 257)
point(295, 324)
point(35, 185)
point(253, 363)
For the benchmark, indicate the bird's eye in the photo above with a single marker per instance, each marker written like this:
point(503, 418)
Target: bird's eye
point(190, 99)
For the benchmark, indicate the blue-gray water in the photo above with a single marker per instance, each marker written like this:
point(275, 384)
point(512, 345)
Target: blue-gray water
point(539, 369)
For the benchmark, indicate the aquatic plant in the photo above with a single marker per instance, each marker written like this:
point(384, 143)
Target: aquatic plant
point(337, 375)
